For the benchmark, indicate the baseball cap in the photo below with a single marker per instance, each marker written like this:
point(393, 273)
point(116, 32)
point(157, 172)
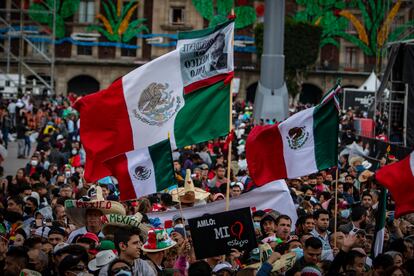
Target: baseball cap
point(90, 237)
point(176, 217)
point(106, 245)
point(222, 266)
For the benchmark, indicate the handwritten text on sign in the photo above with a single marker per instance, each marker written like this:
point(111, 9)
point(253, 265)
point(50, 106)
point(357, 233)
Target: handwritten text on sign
point(217, 234)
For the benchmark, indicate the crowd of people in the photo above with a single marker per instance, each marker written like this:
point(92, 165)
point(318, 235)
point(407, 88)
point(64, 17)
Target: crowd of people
point(53, 222)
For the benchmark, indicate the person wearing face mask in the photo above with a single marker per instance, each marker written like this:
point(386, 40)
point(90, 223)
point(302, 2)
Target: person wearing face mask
point(34, 166)
point(119, 268)
point(75, 158)
point(358, 221)
point(30, 206)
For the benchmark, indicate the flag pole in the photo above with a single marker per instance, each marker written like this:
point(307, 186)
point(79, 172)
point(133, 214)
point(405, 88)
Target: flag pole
point(181, 213)
point(336, 204)
point(178, 197)
point(229, 151)
point(230, 129)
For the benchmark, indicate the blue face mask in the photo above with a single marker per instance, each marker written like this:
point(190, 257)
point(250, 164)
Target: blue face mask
point(298, 251)
point(123, 273)
point(256, 225)
point(345, 213)
point(360, 168)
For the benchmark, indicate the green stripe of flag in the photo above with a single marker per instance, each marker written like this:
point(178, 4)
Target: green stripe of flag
point(161, 157)
point(203, 32)
point(204, 116)
point(325, 130)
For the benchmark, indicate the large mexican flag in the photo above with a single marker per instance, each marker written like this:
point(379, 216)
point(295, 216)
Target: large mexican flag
point(152, 103)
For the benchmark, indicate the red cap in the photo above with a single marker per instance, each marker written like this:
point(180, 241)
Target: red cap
point(91, 236)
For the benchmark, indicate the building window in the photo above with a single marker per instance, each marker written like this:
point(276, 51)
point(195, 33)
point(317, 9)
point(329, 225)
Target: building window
point(86, 11)
point(351, 58)
point(177, 15)
point(84, 50)
point(41, 47)
point(126, 52)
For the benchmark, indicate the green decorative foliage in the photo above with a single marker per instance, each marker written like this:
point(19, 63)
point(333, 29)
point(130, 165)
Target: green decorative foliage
point(117, 25)
point(205, 8)
point(301, 49)
point(334, 16)
point(64, 10)
point(69, 8)
point(224, 7)
point(135, 27)
point(245, 15)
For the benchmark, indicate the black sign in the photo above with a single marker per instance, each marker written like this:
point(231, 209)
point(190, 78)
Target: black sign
point(361, 100)
point(217, 234)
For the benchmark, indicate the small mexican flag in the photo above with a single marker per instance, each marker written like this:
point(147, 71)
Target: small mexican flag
point(302, 144)
point(143, 171)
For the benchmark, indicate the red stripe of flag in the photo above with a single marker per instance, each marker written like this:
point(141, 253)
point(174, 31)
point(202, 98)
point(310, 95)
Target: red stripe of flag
point(105, 128)
point(264, 145)
point(119, 168)
point(207, 82)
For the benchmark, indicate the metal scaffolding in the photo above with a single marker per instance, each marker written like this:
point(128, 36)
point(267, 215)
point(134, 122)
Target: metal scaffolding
point(34, 62)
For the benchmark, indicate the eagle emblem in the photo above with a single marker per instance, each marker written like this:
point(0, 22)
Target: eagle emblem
point(297, 137)
point(157, 105)
point(142, 173)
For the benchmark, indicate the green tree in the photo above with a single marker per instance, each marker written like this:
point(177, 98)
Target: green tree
point(301, 49)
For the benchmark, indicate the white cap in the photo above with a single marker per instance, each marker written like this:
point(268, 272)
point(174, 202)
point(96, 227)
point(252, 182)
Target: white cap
point(222, 266)
point(241, 186)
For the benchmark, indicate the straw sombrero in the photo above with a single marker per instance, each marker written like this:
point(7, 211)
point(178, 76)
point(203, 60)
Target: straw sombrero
point(189, 194)
point(76, 209)
point(112, 222)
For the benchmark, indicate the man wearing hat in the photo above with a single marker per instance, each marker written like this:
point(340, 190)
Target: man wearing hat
point(236, 189)
point(56, 235)
point(158, 242)
point(87, 212)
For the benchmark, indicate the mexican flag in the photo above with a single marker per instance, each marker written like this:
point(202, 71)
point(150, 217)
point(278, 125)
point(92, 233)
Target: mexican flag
point(303, 144)
point(143, 171)
point(143, 107)
point(380, 224)
point(206, 56)
point(398, 178)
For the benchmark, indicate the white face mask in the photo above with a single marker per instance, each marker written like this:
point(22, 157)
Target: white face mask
point(34, 162)
point(74, 151)
point(67, 174)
